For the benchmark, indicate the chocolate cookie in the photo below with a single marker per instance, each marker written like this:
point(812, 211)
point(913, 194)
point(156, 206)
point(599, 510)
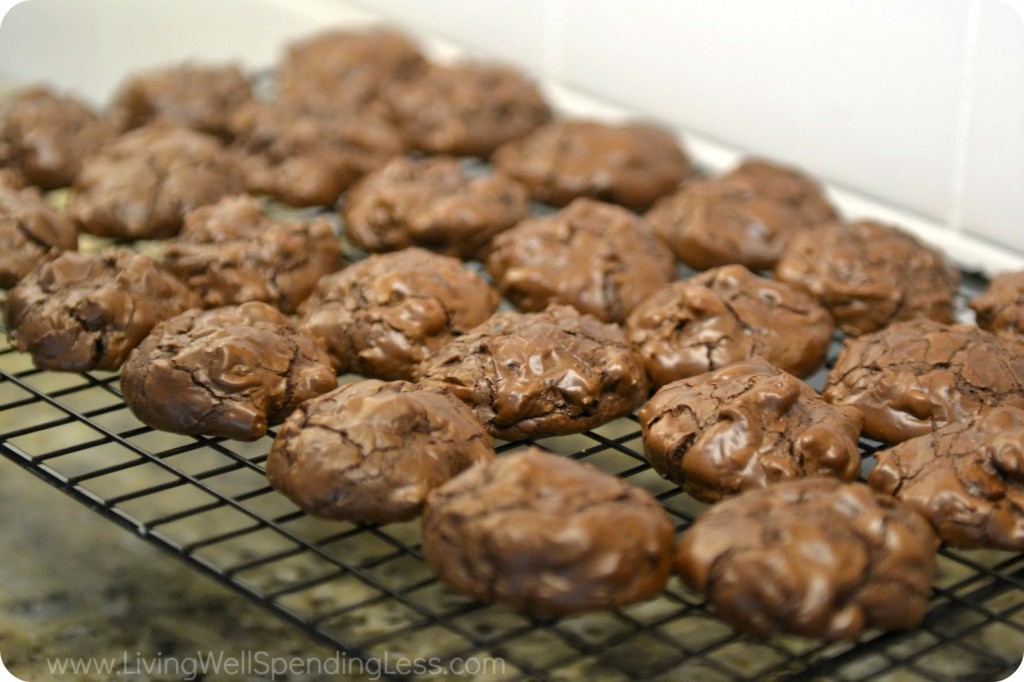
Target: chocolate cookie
point(598, 258)
point(226, 372)
point(141, 185)
point(917, 376)
point(869, 275)
point(545, 534)
point(87, 311)
point(1001, 308)
point(200, 96)
point(29, 231)
point(816, 558)
point(230, 253)
point(966, 479)
point(46, 136)
point(746, 426)
point(434, 203)
point(305, 159)
point(382, 316)
point(630, 165)
point(341, 72)
point(723, 316)
point(745, 217)
point(468, 109)
point(540, 374)
point(370, 452)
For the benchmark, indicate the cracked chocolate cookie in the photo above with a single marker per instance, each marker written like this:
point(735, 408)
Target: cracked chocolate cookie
point(816, 558)
point(540, 374)
point(599, 258)
point(46, 136)
point(200, 96)
point(30, 231)
point(231, 253)
point(382, 316)
point(434, 203)
point(745, 217)
point(630, 165)
point(342, 72)
point(305, 159)
point(141, 185)
point(227, 372)
point(1001, 308)
point(723, 316)
point(914, 377)
point(87, 311)
point(746, 426)
point(469, 109)
point(966, 479)
point(545, 534)
point(370, 452)
point(869, 275)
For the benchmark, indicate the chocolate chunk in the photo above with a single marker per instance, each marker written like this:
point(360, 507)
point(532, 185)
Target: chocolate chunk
point(917, 376)
point(745, 217)
point(544, 534)
point(1001, 308)
point(540, 374)
point(141, 185)
point(305, 159)
point(869, 275)
point(342, 72)
point(966, 479)
point(468, 109)
point(382, 316)
point(226, 372)
point(598, 258)
point(87, 311)
point(434, 203)
point(370, 452)
point(230, 252)
point(630, 165)
point(46, 136)
point(200, 96)
point(816, 558)
point(723, 316)
point(746, 426)
point(30, 231)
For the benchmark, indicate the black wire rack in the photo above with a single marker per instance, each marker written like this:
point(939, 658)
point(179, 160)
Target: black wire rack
point(366, 592)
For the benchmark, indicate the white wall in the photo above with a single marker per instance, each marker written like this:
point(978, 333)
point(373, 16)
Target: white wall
point(912, 110)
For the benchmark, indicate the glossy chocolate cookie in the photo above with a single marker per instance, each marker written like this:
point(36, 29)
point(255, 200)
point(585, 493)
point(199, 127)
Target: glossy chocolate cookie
point(87, 311)
point(370, 452)
point(917, 376)
point(746, 426)
point(468, 109)
point(966, 479)
point(545, 534)
point(227, 372)
point(599, 258)
point(816, 558)
point(630, 165)
point(382, 316)
point(745, 217)
point(540, 374)
point(869, 275)
point(141, 185)
point(305, 159)
point(46, 136)
point(30, 231)
point(1001, 308)
point(723, 316)
point(231, 252)
point(434, 203)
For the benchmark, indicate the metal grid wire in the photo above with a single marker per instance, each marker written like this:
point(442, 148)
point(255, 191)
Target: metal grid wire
point(365, 590)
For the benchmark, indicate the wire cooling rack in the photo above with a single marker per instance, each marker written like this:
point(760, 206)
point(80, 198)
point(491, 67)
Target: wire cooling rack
point(366, 591)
